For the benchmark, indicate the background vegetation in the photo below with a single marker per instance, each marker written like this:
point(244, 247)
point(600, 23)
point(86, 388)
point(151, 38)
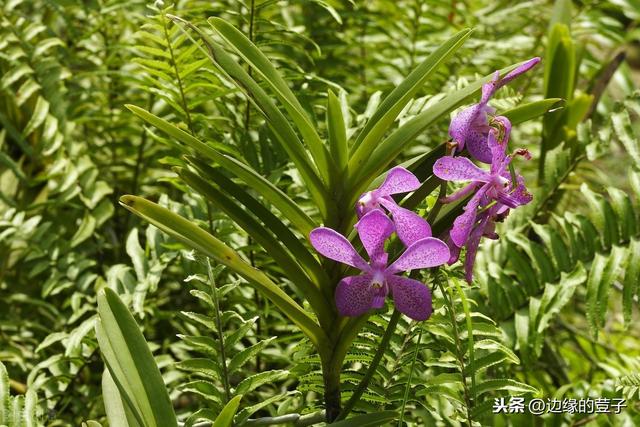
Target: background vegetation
point(552, 311)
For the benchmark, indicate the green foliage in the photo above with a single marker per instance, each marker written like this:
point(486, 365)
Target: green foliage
point(19, 411)
point(131, 365)
point(218, 376)
point(257, 121)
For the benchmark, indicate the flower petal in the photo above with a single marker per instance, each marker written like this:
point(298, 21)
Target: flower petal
point(411, 297)
point(463, 224)
point(459, 169)
point(425, 253)
point(488, 89)
point(354, 295)
point(462, 124)
point(335, 246)
point(519, 70)
point(478, 147)
point(374, 228)
point(472, 246)
point(410, 226)
point(455, 254)
point(398, 180)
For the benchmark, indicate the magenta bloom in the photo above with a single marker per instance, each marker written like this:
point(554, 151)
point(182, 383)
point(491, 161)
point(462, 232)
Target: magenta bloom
point(471, 126)
point(355, 295)
point(410, 226)
point(495, 185)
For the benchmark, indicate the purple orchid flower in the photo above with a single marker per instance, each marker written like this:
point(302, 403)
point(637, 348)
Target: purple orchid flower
point(471, 126)
point(495, 185)
point(485, 227)
point(355, 295)
point(410, 226)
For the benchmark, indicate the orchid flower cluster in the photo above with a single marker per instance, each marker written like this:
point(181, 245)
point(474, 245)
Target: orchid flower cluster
point(495, 192)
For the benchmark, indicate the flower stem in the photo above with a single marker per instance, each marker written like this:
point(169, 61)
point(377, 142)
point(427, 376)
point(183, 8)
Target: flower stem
point(408, 387)
point(332, 402)
point(364, 383)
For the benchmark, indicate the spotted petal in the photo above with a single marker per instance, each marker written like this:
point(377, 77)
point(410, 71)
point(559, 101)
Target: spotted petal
point(463, 224)
point(459, 169)
point(411, 297)
point(410, 226)
point(398, 180)
point(470, 123)
point(374, 229)
point(425, 253)
point(335, 246)
point(355, 295)
point(478, 147)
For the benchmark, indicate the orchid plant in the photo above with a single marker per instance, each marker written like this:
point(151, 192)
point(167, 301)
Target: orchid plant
point(339, 175)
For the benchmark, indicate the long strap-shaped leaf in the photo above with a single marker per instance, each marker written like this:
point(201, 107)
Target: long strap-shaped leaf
point(276, 121)
point(131, 363)
point(263, 67)
point(270, 192)
point(117, 411)
point(271, 221)
point(199, 239)
point(393, 104)
point(338, 145)
point(389, 149)
point(265, 239)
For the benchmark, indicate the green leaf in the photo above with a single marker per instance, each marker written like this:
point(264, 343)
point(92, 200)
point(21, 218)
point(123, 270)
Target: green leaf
point(263, 67)
point(38, 116)
point(336, 127)
point(198, 239)
point(626, 134)
point(631, 280)
point(603, 217)
point(488, 386)
point(225, 418)
point(525, 112)
point(254, 381)
point(5, 394)
point(7, 161)
point(131, 363)
point(271, 221)
point(560, 63)
point(554, 298)
point(274, 117)
point(206, 367)
point(243, 356)
point(265, 238)
point(368, 420)
point(561, 13)
point(603, 272)
point(84, 231)
point(257, 182)
point(393, 104)
point(117, 411)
